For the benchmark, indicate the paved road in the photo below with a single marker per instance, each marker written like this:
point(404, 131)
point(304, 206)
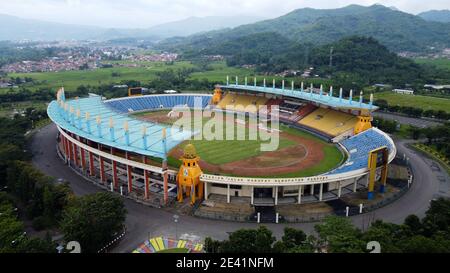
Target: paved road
point(143, 221)
point(417, 122)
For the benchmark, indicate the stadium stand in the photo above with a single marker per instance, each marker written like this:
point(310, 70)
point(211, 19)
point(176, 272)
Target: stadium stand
point(329, 121)
point(235, 100)
point(158, 244)
point(306, 110)
point(358, 148)
point(132, 104)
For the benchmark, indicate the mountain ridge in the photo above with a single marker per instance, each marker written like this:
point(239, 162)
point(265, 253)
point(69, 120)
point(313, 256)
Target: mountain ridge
point(397, 30)
point(17, 28)
point(442, 16)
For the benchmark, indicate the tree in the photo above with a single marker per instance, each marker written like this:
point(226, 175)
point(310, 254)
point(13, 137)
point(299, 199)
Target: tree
point(437, 217)
point(93, 220)
point(415, 132)
point(339, 235)
point(293, 237)
point(413, 222)
point(422, 244)
point(249, 241)
point(211, 246)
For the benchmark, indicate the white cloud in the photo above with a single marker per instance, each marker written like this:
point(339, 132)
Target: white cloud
point(144, 13)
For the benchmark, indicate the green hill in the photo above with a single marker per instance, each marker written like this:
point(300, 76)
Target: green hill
point(397, 30)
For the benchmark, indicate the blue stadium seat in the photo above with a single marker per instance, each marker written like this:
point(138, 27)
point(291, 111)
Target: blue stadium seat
point(141, 103)
point(359, 147)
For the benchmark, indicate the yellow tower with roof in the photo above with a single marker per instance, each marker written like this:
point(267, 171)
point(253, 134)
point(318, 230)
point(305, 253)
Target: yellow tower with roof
point(188, 178)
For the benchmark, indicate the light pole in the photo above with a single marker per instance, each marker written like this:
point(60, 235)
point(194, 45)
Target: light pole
point(175, 219)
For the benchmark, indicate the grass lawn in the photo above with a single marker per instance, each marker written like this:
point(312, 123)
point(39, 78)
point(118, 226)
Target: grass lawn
point(418, 101)
point(174, 250)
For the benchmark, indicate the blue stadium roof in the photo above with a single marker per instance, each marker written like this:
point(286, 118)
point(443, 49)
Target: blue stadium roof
point(324, 99)
point(74, 120)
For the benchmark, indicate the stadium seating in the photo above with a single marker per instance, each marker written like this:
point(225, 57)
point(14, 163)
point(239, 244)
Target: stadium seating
point(242, 100)
point(140, 103)
point(329, 121)
point(158, 244)
point(359, 147)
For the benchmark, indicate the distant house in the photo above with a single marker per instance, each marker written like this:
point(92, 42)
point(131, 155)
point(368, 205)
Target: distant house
point(170, 91)
point(404, 91)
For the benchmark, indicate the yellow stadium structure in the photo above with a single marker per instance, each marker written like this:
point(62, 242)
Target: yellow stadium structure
point(329, 121)
point(240, 102)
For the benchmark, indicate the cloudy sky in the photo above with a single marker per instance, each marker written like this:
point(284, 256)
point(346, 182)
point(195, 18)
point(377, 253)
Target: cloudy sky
point(145, 13)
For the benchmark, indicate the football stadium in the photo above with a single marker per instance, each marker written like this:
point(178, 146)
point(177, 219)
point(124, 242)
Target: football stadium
point(130, 145)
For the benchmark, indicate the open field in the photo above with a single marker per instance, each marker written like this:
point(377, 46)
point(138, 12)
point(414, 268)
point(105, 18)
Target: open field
point(144, 72)
point(72, 79)
point(7, 108)
point(439, 63)
point(298, 154)
point(418, 101)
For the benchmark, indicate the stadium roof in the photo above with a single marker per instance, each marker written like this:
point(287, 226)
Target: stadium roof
point(73, 119)
point(324, 99)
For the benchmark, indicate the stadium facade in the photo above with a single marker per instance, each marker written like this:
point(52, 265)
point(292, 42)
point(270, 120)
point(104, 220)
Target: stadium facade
point(99, 139)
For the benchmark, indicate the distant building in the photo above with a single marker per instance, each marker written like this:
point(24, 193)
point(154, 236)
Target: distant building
point(382, 85)
point(404, 91)
point(170, 91)
point(120, 86)
point(437, 87)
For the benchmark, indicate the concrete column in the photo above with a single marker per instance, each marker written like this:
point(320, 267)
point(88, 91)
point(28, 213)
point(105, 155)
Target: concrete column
point(311, 190)
point(299, 199)
point(75, 154)
point(129, 175)
point(146, 180)
point(102, 169)
point(114, 174)
point(252, 195)
point(166, 182)
point(63, 141)
point(69, 150)
point(83, 159)
point(114, 171)
point(339, 189)
point(91, 164)
point(355, 183)
point(206, 190)
point(228, 193)
point(321, 192)
point(276, 195)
